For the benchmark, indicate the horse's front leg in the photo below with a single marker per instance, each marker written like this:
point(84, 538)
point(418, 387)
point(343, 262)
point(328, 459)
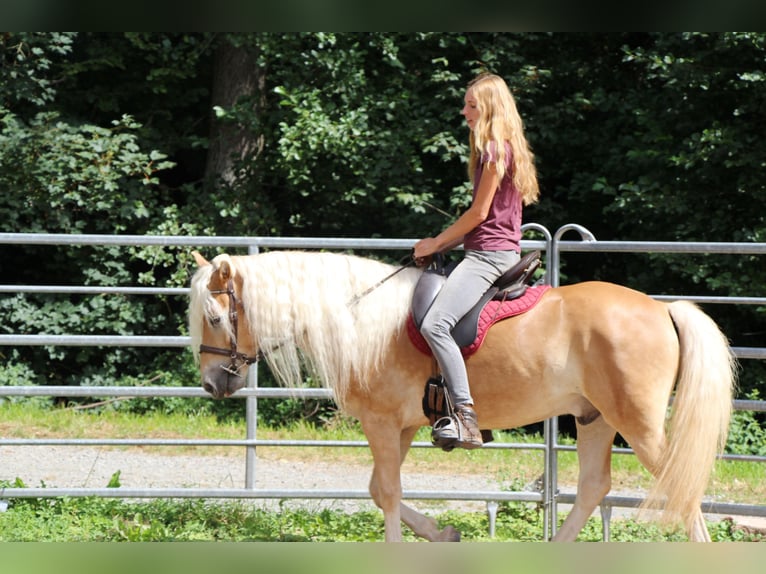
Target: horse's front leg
point(422, 525)
point(383, 436)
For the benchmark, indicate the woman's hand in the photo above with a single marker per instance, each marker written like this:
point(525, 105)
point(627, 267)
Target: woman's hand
point(423, 251)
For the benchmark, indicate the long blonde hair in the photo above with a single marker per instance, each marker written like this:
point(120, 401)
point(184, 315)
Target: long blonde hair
point(499, 121)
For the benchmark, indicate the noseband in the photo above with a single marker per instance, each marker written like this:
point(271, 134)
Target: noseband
point(238, 360)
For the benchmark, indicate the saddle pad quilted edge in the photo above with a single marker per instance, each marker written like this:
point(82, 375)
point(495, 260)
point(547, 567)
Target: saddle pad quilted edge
point(493, 312)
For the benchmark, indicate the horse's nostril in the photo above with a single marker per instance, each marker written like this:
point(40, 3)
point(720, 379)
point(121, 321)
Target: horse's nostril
point(209, 388)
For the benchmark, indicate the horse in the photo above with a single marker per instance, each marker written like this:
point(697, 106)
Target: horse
point(613, 357)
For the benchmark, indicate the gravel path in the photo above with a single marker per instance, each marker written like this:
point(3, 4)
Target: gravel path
point(71, 466)
point(76, 467)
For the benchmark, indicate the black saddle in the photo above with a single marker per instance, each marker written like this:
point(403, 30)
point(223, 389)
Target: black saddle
point(510, 285)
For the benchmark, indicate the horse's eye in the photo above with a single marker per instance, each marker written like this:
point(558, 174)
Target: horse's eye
point(215, 321)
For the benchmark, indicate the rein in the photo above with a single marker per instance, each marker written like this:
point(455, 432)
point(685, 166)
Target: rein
point(238, 359)
point(356, 298)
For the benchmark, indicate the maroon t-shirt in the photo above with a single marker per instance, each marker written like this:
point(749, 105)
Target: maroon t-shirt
point(501, 231)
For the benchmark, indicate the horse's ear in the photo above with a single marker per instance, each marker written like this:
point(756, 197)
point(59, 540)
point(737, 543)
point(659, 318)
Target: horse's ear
point(201, 261)
point(224, 270)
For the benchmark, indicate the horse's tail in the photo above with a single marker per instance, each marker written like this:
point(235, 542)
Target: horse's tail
point(701, 410)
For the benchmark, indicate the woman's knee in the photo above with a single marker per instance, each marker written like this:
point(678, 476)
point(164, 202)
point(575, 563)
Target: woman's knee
point(434, 327)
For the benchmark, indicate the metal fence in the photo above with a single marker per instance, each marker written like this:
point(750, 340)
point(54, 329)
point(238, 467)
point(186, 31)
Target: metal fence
point(548, 496)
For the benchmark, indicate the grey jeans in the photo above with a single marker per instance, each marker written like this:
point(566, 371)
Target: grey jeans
point(462, 290)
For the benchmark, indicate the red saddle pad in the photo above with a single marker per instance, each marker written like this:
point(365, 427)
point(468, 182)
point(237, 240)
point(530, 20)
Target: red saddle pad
point(493, 312)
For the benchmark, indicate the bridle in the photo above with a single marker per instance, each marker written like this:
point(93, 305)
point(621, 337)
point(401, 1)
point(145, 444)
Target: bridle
point(238, 359)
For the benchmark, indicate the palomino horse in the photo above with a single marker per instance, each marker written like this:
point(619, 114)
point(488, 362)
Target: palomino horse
point(606, 354)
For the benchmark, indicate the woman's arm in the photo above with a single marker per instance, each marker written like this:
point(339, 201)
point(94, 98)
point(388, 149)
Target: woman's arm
point(453, 235)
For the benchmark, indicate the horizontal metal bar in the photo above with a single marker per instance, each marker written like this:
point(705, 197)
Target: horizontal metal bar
point(259, 493)
point(308, 443)
point(713, 299)
point(750, 405)
point(663, 247)
point(95, 340)
point(364, 243)
point(184, 291)
point(93, 290)
point(620, 450)
point(258, 392)
point(225, 241)
point(149, 391)
point(242, 493)
point(749, 352)
point(44, 441)
point(170, 341)
point(205, 241)
point(707, 507)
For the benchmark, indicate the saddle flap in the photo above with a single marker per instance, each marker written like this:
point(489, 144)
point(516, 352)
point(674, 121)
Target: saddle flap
point(464, 332)
point(428, 286)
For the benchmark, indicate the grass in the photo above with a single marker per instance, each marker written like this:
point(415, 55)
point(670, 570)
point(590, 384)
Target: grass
point(111, 520)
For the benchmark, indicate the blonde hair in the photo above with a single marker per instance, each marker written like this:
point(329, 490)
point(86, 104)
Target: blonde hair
point(499, 121)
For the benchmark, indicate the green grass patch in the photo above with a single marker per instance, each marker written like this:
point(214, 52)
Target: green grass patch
point(112, 520)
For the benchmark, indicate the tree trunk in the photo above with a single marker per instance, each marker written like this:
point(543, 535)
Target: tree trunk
point(236, 79)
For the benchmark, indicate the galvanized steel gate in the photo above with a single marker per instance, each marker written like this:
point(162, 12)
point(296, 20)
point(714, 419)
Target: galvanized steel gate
point(549, 496)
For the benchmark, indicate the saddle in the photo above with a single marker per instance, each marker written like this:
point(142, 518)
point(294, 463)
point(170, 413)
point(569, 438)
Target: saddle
point(510, 285)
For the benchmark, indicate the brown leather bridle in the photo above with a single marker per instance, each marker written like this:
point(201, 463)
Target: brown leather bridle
point(238, 359)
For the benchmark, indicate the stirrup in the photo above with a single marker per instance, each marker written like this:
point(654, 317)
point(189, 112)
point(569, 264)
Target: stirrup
point(450, 432)
point(445, 433)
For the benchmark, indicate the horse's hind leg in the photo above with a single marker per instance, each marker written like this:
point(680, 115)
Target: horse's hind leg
point(648, 452)
point(594, 454)
point(698, 531)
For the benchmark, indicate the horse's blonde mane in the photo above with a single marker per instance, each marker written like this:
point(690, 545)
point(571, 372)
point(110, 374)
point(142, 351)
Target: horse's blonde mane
point(301, 310)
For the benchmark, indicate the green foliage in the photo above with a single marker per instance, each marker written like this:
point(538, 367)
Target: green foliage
point(746, 432)
point(637, 136)
point(25, 63)
point(80, 178)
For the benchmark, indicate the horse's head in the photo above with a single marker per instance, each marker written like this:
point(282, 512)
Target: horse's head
point(218, 326)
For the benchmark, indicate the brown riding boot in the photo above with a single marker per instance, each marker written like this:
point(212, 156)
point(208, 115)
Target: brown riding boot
point(470, 435)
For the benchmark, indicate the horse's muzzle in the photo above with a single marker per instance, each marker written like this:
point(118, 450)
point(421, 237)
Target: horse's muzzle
point(222, 382)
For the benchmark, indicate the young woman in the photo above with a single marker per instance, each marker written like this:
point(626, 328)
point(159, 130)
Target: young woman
point(501, 168)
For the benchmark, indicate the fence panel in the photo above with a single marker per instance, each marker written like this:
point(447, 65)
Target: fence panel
point(549, 496)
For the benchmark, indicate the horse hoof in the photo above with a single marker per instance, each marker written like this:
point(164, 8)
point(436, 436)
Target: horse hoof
point(449, 534)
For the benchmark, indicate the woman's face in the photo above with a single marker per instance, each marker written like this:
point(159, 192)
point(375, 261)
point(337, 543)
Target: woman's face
point(470, 109)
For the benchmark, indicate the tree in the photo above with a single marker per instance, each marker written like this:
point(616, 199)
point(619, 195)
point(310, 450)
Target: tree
point(637, 136)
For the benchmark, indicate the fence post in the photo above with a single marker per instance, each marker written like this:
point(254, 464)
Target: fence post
point(251, 414)
point(551, 427)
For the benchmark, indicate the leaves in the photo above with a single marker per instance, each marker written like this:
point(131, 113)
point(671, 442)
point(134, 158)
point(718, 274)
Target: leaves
point(637, 136)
